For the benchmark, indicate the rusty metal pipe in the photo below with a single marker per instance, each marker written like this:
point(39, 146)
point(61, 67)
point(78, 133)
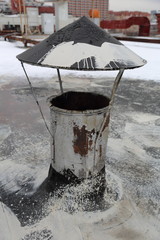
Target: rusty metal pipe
point(76, 117)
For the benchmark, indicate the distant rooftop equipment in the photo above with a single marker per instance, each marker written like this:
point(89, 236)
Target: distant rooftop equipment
point(94, 13)
point(48, 23)
point(61, 13)
point(95, 16)
point(32, 16)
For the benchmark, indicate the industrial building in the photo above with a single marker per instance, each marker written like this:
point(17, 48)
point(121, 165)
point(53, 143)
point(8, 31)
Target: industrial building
point(80, 8)
point(48, 16)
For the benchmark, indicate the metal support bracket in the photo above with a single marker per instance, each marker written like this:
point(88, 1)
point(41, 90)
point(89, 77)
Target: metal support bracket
point(60, 80)
point(106, 118)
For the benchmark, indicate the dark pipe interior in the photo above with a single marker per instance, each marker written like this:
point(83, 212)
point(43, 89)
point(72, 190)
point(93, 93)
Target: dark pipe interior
point(80, 101)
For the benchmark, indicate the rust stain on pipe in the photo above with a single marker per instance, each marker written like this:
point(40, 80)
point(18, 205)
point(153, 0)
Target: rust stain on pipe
point(82, 142)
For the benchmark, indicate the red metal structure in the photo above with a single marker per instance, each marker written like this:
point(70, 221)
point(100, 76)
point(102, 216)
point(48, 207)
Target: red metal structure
point(158, 21)
point(46, 9)
point(143, 22)
point(17, 6)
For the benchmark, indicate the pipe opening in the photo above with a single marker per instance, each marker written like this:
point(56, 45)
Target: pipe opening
point(80, 101)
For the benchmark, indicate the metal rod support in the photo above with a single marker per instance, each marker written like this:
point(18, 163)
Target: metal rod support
point(36, 100)
point(115, 86)
point(60, 80)
point(106, 118)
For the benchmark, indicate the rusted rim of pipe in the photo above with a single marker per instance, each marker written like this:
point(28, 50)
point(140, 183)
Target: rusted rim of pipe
point(96, 103)
point(86, 112)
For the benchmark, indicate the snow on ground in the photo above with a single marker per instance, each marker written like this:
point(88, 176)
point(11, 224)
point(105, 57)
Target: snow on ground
point(10, 66)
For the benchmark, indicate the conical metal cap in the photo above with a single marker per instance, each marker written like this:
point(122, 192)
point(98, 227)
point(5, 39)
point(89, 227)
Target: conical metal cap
point(82, 45)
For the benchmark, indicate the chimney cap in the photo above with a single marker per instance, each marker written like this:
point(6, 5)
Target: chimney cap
point(82, 45)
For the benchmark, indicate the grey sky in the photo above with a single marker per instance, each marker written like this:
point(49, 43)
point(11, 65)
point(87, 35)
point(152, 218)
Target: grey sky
point(134, 5)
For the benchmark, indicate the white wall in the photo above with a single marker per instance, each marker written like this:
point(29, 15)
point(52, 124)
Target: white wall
point(134, 5)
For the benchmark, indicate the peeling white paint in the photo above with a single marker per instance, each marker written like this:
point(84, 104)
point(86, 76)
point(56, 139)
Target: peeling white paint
point(67, 53)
